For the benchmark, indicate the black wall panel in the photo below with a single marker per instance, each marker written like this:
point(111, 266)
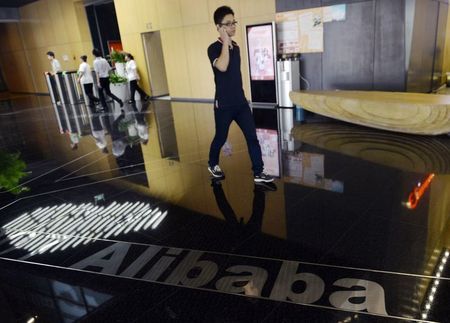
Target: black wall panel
point(335, 2)
point(423, 45)
point(389, 63)
point(440, 47)
point(349, 49)
point(311, 70)
point(103, 25)
point(287, 5)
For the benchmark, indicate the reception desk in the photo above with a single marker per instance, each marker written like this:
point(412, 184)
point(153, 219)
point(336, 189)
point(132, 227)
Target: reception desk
point(414, 113)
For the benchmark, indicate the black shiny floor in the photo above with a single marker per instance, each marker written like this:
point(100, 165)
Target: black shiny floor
point(345, 234)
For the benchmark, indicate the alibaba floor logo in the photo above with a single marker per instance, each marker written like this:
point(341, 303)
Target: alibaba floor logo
point(64, 226)
point(32, 237)
point(287, 281)
point(359, 291)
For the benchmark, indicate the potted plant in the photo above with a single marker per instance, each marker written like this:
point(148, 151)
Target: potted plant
point(118, 58)
point(118, 79)
point(12, 170)
point(119, 86)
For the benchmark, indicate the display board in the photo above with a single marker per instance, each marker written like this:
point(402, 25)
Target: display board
point(261, 49)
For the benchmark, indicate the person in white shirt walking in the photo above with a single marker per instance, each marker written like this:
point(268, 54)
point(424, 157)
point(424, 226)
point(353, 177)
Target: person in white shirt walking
point(56, 66)
point(133, 77)
point(86, 79)
point(102, 70)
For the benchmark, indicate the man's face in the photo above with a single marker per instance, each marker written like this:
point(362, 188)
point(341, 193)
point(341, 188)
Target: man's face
point(49, 57)
point(229, 24)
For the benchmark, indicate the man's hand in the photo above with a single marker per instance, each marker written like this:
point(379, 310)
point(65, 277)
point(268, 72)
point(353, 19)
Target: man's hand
point(224, 36)
point(221, 63)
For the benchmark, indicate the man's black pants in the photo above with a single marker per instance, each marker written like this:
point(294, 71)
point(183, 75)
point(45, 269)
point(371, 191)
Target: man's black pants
point(242, 114)
point(104, 83)
point(135, 87)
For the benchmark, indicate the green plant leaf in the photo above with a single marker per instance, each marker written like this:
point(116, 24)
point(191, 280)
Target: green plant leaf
point(117, 57)
point(12, 170)
point(117, 79)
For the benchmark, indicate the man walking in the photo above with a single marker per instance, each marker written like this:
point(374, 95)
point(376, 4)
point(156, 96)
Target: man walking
point(56, 66)
point(102, 69)
point(229, 101)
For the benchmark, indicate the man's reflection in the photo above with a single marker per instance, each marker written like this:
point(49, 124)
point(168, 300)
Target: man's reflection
point(259, 202)
point(239, 228)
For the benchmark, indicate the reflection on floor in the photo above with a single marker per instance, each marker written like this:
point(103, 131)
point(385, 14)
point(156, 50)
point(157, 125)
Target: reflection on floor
point(129, 227)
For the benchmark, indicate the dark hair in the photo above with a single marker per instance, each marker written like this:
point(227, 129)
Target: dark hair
point(50, 53)
point(84, 58)
point(222, 12)
point(96, 52)
point(129, 56)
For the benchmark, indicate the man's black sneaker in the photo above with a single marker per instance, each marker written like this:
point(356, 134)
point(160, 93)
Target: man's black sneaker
point(216, 171)
point(263, 178)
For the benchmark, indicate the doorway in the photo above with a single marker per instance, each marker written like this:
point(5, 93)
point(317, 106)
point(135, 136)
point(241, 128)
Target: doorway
point(159, 87)
point(156, 67)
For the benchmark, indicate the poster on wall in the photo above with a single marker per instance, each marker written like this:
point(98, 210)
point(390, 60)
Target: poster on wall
point(311, 30)
point(334, 13)
point(301, 31)
point(268, 140)
point(288, 33)
point(261, 52)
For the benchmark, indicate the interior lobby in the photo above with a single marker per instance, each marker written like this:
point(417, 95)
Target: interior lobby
point(111, 209)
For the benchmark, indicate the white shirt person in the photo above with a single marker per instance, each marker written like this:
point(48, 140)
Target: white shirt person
point(56, 66)
point(133, 77)
point(85, 73)
point(102, 70)
point(86, 79)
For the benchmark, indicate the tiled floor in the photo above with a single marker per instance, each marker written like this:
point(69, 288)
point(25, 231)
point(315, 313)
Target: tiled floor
point(147, 236)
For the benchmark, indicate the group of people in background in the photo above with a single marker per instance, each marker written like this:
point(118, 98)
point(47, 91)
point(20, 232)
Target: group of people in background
point(102, 74)
point(102, 70)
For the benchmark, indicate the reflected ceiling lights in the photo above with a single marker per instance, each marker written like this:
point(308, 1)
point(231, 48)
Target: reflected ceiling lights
point(68, 225)
point(434, 284)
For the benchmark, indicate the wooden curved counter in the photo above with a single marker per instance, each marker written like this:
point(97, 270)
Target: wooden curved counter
point(415, 113)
